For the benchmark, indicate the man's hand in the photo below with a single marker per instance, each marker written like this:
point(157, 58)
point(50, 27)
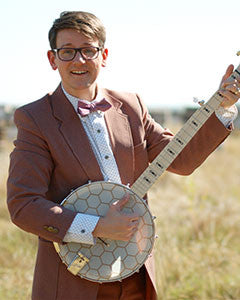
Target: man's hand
point(117, 225)
point(229, 88)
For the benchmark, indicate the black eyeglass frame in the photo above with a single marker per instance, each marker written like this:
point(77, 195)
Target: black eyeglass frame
point(78, 50)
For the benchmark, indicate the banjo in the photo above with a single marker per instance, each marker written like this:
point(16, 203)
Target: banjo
point(113, 260)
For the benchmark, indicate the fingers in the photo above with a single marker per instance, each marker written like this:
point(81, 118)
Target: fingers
point(230, 88)
point(132, 228)
point(231, 92)
point(227, 74)
point(233, 87)
point(230, 98)
point(230, 82)
point(122, 202)
point(119, 205)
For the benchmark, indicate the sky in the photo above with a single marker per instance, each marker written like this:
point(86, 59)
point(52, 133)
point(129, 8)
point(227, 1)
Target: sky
point(166, 51)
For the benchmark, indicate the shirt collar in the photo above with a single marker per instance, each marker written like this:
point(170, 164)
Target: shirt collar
point(74, 100)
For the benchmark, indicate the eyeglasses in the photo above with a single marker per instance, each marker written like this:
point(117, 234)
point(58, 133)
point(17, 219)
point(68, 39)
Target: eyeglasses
point(87, 53)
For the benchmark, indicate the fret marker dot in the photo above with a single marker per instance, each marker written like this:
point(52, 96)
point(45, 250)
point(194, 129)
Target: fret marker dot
point(106, 157)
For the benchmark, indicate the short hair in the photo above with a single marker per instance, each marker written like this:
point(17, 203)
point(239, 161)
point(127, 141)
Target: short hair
point(83, 22)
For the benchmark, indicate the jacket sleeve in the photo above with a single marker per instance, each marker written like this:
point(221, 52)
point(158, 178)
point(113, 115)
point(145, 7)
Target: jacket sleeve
point(30, 172)
point(204, 142)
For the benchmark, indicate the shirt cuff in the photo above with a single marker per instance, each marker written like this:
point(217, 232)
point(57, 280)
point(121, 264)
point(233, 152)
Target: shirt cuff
point(81, 229)
point(227, 115)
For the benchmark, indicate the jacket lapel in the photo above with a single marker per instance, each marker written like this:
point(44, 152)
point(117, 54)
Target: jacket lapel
point(74, 134)
point(120, 137)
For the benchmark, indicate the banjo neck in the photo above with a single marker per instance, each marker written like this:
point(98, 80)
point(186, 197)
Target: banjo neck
point(177, 144)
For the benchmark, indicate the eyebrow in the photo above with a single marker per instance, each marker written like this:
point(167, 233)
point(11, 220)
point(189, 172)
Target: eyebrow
point(69, 44)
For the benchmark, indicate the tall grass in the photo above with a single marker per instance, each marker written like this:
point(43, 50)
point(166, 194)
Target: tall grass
point(198, 223)
point(17, 248)
point(198, 250)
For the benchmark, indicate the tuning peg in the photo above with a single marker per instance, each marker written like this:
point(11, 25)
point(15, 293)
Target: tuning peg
point(238, 53)
point(154, 218)
point(156, 236)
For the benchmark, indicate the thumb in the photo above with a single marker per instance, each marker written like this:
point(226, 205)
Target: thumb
point(228, 72)
point(120, 203)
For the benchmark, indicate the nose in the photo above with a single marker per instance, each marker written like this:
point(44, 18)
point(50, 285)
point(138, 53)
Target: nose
point(79, 57)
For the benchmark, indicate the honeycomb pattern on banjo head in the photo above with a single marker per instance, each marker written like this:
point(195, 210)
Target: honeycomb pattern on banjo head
point(118, 259)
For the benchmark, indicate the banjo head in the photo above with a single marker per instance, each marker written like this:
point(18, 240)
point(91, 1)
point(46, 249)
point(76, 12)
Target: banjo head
point(109, 260)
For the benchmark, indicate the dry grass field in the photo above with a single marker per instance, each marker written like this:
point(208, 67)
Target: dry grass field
point(198, 223)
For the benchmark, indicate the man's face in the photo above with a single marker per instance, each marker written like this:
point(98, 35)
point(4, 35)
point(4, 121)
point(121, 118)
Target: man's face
point(78, 75)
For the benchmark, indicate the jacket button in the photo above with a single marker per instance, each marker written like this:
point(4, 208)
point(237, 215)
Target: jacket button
point(51, 229)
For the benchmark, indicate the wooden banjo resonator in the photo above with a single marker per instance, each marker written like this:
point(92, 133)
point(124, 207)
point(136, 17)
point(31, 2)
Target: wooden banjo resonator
point(113, 260)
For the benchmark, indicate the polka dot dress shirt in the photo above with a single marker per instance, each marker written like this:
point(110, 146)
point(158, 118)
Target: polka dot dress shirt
point(94, 124)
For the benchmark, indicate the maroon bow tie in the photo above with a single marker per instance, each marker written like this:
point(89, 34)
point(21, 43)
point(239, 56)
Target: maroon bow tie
point(86, 108)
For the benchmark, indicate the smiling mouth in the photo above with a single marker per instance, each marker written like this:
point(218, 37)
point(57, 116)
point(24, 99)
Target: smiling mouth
point(79, 72)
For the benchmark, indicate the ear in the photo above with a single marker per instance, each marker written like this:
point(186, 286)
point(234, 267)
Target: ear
point(51, 59)
point(104, 57)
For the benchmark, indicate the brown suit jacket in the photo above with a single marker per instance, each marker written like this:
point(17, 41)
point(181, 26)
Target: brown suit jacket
point(52, 156)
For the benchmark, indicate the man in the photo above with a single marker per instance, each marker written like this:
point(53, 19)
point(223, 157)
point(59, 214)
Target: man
point(63, 143)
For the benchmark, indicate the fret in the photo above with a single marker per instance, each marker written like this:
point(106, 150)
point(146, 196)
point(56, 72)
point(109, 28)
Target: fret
point(168, 155)
point(176, 146)
point(189, 131)
point(154, 169)
point(171, 151)
point(207, 110)
point(137, 190)
point(178, 143)
point(140, 187)
point(164, 158)
point(236, 71)
point(179, 139)
point(147, 179)
point(184, 136)
point(201, 116)
point(153, 173)
point(144, 183)
point(160, 165)
point(168, 152)
point(215, 101)
point(194, 122)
